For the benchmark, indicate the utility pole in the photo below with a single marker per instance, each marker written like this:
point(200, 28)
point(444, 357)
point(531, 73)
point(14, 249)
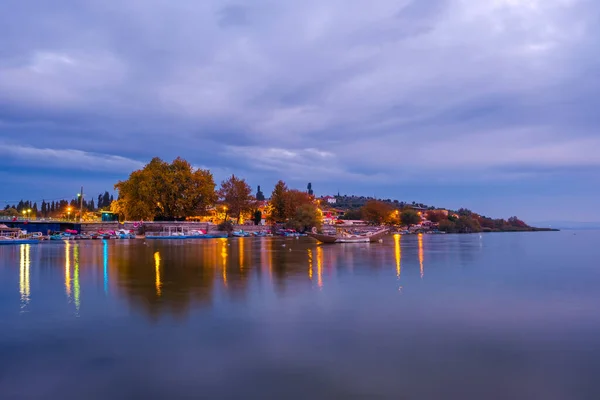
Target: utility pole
point(81, 205)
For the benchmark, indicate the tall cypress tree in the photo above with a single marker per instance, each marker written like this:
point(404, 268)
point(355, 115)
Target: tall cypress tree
point(106, 200)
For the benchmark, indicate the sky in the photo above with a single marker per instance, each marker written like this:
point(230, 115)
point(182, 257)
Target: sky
point(490, 105)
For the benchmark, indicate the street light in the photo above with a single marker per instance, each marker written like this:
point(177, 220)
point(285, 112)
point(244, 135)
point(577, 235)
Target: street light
point(69, 214)
point(24, 214)
point(29, 213)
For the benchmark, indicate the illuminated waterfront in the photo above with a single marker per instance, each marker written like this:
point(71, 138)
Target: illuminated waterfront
point(430, 316)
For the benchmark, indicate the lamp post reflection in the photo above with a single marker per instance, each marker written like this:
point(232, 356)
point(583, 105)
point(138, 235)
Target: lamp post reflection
point(24, 274)
point(68, 269)
point(398, 251)
point(76, 287)
point(105, 264)
point(157, 282)
point(320, 266)
point(421, 254)
point(310, 264)
point(241, 251)
point(224, 259)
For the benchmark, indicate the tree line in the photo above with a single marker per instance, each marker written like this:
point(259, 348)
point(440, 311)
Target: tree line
point(176, 190)
point(462, 221)
point(56, 208)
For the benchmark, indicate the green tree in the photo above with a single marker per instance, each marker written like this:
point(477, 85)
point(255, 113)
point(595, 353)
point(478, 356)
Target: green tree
point(10, 212)
point(352, 215)
point(236, 194)
point(259, 194)
point(410, 217)
point(467, 225)
point(446, 225)
point(305, 217)
point(106, 200)
point(257, 217)
point(164, 191)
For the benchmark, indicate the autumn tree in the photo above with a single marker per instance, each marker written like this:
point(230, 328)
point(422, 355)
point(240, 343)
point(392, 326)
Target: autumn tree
point(516, 222)
point(164, 191)
point(409, 217)
point(278, 203)
point(376, 212)
point(294, 199)
point(236, 194)
point(435, 216)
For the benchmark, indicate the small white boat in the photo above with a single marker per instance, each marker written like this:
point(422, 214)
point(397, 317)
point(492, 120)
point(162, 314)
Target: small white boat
point(343, 237)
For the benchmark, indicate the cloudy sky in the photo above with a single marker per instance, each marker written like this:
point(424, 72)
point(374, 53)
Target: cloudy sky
point(488, 104)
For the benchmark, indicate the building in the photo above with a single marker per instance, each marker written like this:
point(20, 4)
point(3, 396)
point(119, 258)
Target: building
point(329, 199)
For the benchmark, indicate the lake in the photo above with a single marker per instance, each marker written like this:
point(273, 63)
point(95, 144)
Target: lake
point(492, 316)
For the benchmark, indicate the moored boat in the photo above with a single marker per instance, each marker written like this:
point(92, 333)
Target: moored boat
point(240, 233)
point(344, 237)
point(178, 233)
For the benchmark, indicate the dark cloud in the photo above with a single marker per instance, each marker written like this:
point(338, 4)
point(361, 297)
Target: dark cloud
point(380, 95)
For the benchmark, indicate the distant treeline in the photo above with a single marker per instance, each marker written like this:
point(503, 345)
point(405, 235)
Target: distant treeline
point(57, 208)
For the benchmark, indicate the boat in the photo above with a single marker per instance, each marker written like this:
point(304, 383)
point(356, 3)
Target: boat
point(240, 233)
point(125, 234)
point(10, 236)
point(178, 233)
point(343, 237)
point(5, 240)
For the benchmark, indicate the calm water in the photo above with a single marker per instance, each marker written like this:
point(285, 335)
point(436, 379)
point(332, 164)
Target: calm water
point(498, 316)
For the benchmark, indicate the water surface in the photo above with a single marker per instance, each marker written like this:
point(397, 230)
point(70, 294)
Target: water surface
point(496, 316)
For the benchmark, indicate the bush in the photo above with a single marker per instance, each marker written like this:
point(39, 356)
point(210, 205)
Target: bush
point(225, 226)
point(447, 226)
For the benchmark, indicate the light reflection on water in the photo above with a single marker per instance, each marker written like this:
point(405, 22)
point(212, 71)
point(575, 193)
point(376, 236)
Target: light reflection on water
point(105, 264)
point(68, 269)
point(24, 274)
point(514, 313)
point(157, 272)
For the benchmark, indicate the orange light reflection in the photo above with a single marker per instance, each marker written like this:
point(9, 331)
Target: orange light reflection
point(157, 282)
point(398, 251)
point(320, 266)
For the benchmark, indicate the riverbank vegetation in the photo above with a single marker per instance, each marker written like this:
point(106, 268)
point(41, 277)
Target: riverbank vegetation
point(177, 191)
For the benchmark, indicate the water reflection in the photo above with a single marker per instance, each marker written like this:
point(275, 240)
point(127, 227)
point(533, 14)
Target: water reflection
point(310, 264)
point(421, 254)
point(398, 253)
point(357, 338)
point(157, 272)
point(197, 272)
point(105, 264)
point(241, 252)
point(320, 266)
point(224, 245)
point(24, 274)
point(76, 287)
point(68, 269)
